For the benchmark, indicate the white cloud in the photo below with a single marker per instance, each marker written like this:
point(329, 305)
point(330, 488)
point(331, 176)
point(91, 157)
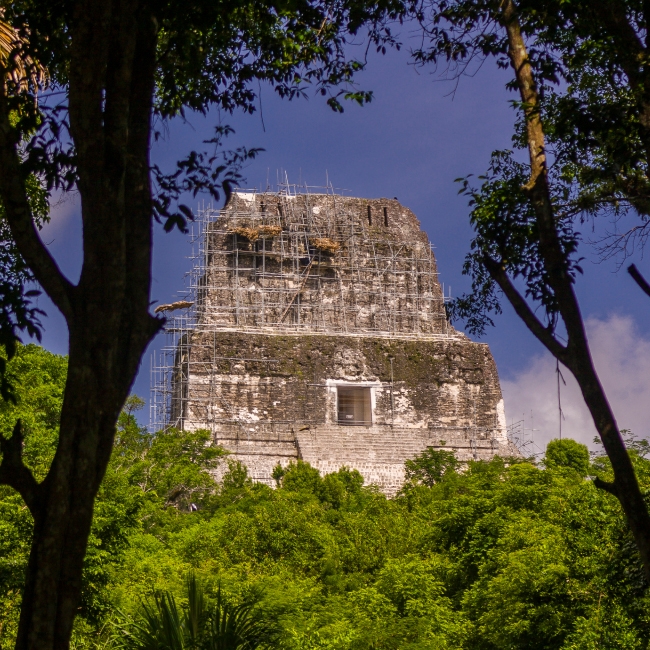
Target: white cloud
point(622, 358)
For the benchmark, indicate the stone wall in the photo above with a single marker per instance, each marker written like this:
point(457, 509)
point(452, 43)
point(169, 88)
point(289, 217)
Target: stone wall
point(272, 398)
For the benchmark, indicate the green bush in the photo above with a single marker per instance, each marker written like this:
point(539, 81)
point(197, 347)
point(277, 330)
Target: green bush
point(567, 453)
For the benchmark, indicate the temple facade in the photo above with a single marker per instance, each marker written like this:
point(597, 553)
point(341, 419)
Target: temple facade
point(315, 329)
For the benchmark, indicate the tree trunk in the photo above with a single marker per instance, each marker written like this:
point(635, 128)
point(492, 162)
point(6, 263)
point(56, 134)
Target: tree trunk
point(112, 68)
point(64, 509)
point(576, 354)
point(625, 487)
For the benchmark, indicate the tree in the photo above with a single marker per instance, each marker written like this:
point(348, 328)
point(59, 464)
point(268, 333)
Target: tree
point(567, 453)
point(581, 75)
point(302, 477)
point(429, 467)
point(333, 490)
point(115, 70)
point(17, 313)
point(38, 378)
point(143, 472)
point(499, 555)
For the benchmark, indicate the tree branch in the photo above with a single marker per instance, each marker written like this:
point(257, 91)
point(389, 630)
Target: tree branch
point(607, 487)
point(13, 471)
point(543, 335)
point(19, 217)
point(639, 279)
point(539, 193)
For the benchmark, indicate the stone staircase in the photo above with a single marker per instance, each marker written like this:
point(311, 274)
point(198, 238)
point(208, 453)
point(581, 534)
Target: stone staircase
point(260, 450)
point(377, 452)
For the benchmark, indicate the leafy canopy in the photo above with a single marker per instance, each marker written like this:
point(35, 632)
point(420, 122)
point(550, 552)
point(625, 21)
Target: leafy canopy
point(568, 453)
point(431, 466)
point(496, 555)
point(210, 58)
point(589, 63)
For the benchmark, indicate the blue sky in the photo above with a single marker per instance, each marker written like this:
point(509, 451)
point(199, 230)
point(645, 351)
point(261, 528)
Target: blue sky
point(417, 135)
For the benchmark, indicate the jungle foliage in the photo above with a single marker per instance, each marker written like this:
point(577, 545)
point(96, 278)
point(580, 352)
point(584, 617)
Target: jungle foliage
point(506, 554)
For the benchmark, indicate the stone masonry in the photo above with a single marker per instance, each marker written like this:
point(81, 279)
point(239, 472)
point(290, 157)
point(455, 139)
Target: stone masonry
point(318, 332)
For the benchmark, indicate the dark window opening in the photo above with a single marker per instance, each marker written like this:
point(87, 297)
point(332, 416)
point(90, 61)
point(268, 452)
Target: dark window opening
point(385, 217)
point(243, 244)
point(369, 216)
point(354, 406)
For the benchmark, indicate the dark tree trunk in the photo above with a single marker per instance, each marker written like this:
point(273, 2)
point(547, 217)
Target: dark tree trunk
point(64, 509)
point(113, 50)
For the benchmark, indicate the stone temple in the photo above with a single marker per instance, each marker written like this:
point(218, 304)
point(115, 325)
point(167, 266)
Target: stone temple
point(314, 328)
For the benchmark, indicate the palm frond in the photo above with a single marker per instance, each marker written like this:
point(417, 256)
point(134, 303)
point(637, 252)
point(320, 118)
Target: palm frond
point(220, 625)
point(237, 627)
point(20, 67)
point(197, 611)
point(158, 627)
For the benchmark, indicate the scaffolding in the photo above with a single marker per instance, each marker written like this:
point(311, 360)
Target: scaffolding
point(522, 438)
point(296, 260)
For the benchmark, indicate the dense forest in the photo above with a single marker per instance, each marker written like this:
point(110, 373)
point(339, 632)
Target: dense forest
point(505, 554)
